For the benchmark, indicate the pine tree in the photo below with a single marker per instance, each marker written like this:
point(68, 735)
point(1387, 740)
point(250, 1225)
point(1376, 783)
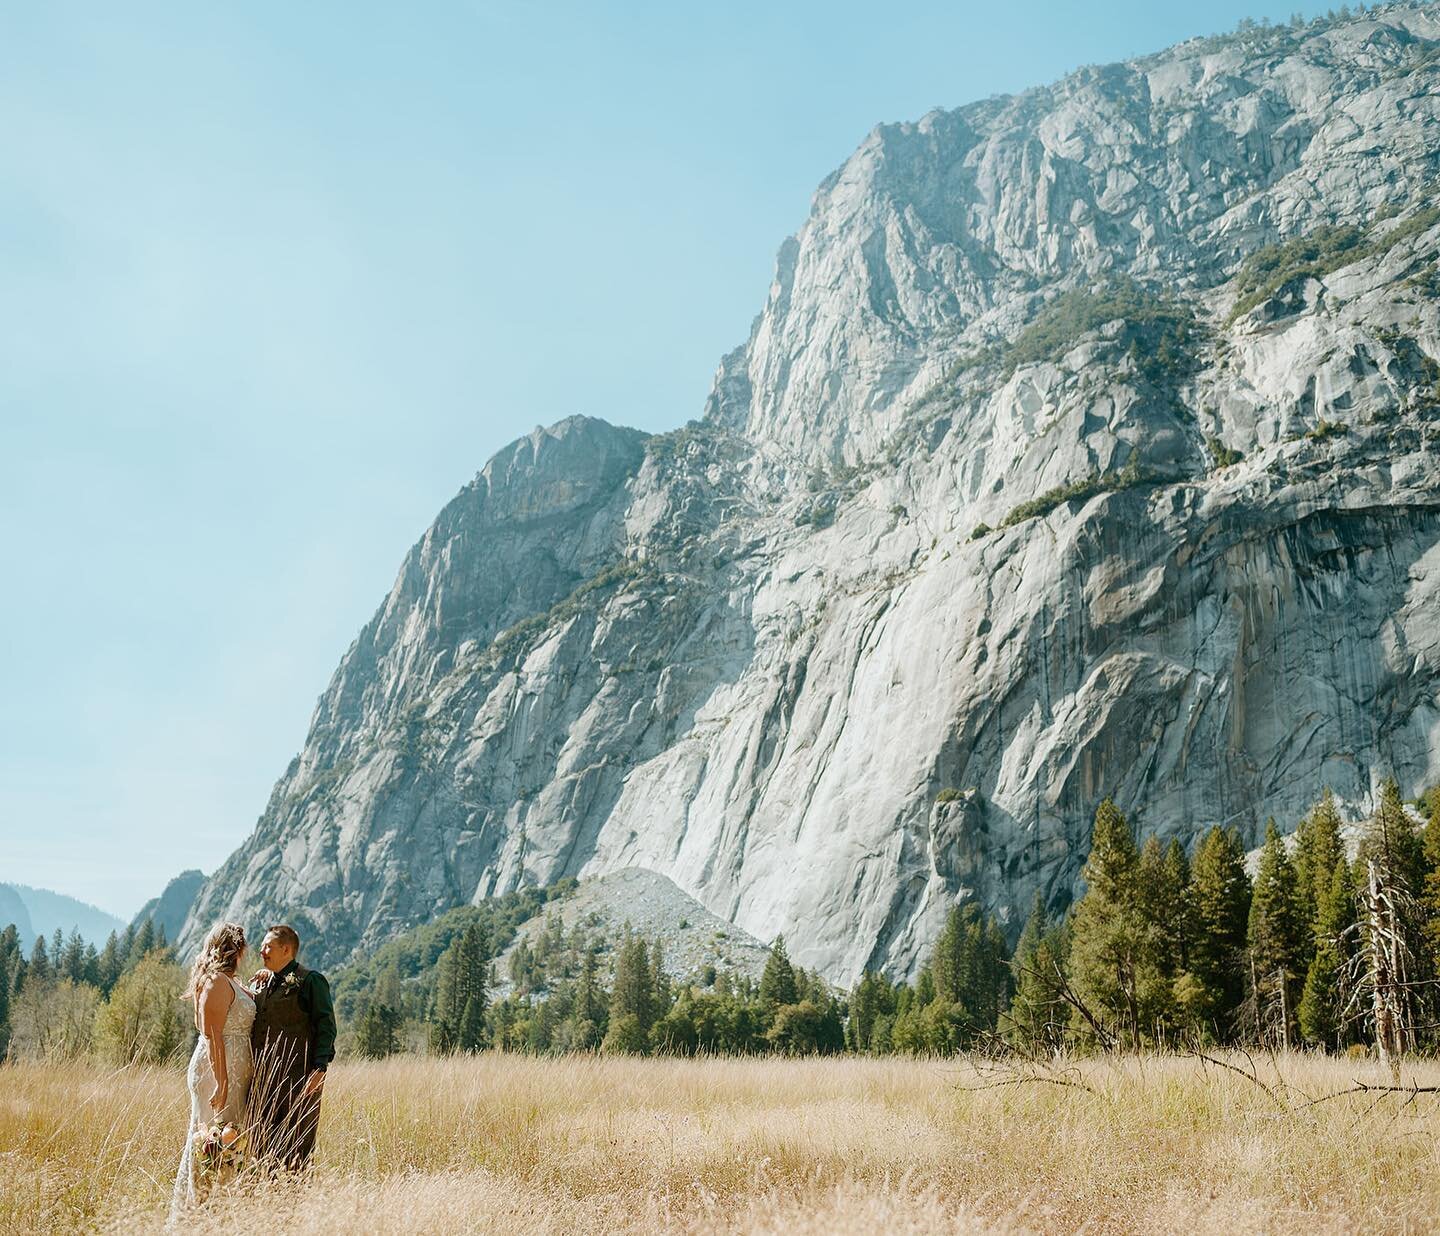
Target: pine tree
point(1322, 1001)
point(1220, 910)
point(1180, 928)
point(452, 979)
point(1162, 897)
point(1112, 958)
point(632, 994)
point(460, 994)
point(808, 986)
point(1038, 1013)
point(659, 982)
point(13, 957)
point(996, 979)
point(924, 991)
point(72, 962)
point(948, 963)
point(1429, 802)
point(1163, 891)
point(1392, 842)
point(4, 1005)
point(471, 1035)
point(111, 965)
point(477, 969)
point(968, 972)
point(777, 982)
point(142, 945)
point(377, 1034)
point(1430, 897)
point(389, 990)
point(90, 967)
point(589, 1005)
point(1317, 847)
point(871, 998)
point(982, 988)
point(39, 968)
point(1276, 940)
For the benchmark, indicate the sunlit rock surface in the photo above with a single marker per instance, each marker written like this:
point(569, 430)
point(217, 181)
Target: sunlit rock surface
point(765, 655)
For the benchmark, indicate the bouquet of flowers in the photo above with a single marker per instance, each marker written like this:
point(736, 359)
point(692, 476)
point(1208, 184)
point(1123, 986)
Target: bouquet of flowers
point(219, 1152)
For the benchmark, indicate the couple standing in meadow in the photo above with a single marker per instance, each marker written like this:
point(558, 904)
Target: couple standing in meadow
point(259, 1063)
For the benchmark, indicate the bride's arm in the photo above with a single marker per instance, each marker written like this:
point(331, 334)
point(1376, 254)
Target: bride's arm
point(214, 1001)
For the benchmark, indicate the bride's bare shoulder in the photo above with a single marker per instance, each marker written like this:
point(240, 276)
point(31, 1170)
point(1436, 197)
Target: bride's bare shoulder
point(216, 993)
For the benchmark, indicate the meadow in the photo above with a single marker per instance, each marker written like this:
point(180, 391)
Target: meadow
point(506, 1143)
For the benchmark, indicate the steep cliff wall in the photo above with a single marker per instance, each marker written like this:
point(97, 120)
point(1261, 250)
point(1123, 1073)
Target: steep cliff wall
point(1032, 483)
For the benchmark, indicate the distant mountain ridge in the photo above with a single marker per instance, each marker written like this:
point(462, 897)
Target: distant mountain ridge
point(45, 911)
point(1087, 444)
point(13, 910)
point(170, 909)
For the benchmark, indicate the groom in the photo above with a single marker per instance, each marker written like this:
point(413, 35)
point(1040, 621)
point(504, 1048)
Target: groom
point(294, 1042)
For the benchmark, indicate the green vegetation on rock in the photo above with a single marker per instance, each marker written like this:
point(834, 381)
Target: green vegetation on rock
point(1087, 487)
point(1325, 430)
point(1318, 253)
point(1159, 333)
point(1223, 455)
point(516, 638)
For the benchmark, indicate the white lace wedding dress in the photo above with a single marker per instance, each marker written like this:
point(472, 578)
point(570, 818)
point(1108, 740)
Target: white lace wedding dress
point(239, 1064)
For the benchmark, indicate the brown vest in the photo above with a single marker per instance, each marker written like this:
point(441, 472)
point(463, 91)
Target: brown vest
point(283, 1033)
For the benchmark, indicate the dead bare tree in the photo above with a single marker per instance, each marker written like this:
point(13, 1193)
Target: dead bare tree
point(1265, 1012)
point(1383, 953)
point(1385, 983)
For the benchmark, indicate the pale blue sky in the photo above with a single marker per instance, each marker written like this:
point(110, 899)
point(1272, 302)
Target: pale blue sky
point(279, 278)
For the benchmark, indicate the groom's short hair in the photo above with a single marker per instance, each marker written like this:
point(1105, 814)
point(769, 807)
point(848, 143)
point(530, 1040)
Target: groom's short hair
point(285, 932)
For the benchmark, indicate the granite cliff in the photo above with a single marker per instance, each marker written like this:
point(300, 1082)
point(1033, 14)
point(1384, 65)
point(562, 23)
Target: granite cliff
point(169, 910)
point(1086, 444)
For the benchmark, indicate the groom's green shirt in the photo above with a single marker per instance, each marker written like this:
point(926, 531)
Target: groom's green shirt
point(319, 1007)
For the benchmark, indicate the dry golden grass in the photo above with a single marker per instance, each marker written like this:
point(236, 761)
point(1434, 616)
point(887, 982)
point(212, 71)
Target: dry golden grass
point(505, 1144)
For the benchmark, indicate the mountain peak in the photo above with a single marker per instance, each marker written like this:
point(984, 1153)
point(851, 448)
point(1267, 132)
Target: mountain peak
point(1085, 445)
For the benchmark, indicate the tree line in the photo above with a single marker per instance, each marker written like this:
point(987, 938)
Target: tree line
point(69, 999)
point(577, 990)
point(1167, 947)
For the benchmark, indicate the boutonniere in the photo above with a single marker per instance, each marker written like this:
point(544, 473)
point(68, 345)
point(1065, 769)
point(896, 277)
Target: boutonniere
point(292, 981)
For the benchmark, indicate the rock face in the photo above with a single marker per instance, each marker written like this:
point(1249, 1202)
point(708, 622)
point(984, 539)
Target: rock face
point(172, 907)
point(776, 656)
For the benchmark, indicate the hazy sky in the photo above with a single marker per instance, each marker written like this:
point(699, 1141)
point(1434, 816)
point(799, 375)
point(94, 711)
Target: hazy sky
point(279, 278)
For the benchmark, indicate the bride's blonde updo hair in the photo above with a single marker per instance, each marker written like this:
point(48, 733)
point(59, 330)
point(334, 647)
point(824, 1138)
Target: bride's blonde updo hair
point(220, 954)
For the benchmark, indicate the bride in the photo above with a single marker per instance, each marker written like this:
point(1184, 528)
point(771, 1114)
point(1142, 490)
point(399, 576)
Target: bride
point(223, 1012)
